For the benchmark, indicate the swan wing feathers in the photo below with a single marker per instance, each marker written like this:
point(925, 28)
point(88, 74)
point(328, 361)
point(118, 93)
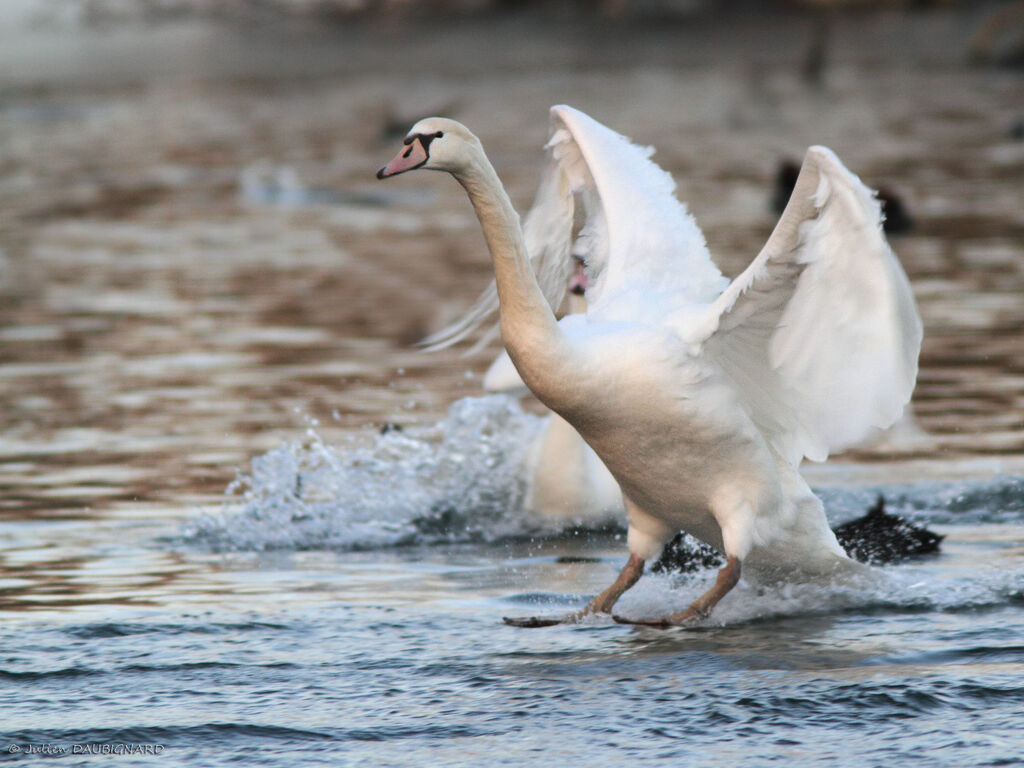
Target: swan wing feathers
point(820, 334)
point(642, 249)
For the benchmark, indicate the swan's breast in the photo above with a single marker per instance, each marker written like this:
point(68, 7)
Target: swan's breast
point(673, 431)
point(654, 412)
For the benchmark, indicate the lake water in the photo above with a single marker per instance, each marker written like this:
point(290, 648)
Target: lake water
point(211, 552)
point(304, 626)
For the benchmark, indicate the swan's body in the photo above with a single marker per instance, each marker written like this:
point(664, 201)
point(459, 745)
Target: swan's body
point(701, 397)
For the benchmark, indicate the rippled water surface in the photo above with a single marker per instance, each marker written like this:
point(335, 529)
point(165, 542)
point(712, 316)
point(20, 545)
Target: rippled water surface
point(399, 657)
point(282, 629)
point(243, 521)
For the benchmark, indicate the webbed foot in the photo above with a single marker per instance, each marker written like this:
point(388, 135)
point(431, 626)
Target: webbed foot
point(602, 604)
point(701, 607)
point(531, 622)
point(534, 622)
point(685, 618)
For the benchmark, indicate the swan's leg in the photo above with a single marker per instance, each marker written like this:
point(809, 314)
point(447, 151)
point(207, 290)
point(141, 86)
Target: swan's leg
point(700, 608)
point(735, 516)
point(628, 576)
point(646, 537)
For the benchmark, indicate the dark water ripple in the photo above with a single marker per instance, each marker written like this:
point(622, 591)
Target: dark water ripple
point(345, 687)
point(124, 629)
point(403, 660)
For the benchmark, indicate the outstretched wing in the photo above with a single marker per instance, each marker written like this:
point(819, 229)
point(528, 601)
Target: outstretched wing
point(645, 256)
point(642, 250)
point(820, 333)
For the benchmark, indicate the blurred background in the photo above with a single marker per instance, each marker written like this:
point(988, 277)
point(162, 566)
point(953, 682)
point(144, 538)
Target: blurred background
point(196, 262)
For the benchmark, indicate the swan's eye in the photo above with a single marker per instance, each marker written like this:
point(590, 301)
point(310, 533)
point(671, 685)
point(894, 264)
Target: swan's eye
point(439, 134)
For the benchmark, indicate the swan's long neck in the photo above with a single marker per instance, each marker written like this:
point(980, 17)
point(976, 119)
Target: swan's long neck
point(536, 344)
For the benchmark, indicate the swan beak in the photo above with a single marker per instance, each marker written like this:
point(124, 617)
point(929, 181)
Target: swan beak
point(578, 281)
point(413, 155)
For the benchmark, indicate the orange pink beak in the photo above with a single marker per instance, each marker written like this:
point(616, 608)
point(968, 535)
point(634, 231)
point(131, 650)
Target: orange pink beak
point(578, 279)
point(413, 155)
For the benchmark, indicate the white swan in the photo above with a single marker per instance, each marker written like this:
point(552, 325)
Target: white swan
point(564, 477)
point(701, 398)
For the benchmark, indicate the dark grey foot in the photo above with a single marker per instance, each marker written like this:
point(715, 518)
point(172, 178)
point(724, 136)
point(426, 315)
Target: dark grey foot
point(661, 623)
point(531, 622)
point(686, 618)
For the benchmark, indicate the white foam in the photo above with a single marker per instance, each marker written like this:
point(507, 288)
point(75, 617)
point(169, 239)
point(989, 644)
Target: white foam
point(927, 585)
point(460, 480)
point(464, 480)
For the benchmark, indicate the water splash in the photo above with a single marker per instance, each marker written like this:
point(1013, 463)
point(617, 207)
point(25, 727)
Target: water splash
point(465, 480)
point(918, 588)
point(460, 480)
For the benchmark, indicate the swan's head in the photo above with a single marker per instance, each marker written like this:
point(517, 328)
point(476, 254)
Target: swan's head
point(435, 143)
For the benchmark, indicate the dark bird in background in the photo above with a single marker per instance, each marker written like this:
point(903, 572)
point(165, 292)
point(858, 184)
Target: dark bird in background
point(879, 538)
point(897, 218)
point(999, 38)
point(1017, 129)
point(876, 538)
point(812, 68)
